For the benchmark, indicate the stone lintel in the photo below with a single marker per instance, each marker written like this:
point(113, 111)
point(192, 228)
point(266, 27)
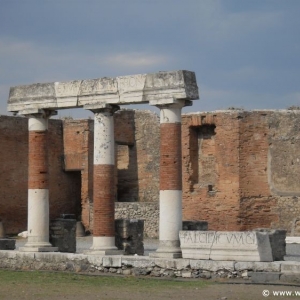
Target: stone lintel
point(124, 90)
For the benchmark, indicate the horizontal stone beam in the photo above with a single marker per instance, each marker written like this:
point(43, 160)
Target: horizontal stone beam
point(156, 89)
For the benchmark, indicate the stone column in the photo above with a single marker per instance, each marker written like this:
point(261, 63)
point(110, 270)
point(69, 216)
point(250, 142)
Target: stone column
point(170, 197)
point(104, 182)
point(38, 184)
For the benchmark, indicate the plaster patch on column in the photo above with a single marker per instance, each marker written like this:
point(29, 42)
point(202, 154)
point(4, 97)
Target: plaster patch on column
point(38, 216)
point(170, 217)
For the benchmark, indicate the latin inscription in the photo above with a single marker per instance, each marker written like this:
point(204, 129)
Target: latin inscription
point(218, 237)
point(131, 83)
point(67, 89)
point(98, 86)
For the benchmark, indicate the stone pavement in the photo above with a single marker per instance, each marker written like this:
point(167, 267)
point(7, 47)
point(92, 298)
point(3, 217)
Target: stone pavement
point(84, 243)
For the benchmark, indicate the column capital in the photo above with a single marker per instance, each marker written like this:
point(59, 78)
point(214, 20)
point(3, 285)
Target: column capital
point(171, 103)
point(102, 108)
point(171, 113)
point(38, 113)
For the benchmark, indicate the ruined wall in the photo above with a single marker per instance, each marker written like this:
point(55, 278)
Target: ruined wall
point(240, 169)
point(244, 173)
point(257, 204)
point(78, 141)
point(147, 211)
point(137, 158)
point(63, 188)
point(210, 151)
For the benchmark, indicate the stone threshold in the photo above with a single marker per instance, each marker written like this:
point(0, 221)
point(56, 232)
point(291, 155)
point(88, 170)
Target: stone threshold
point(148, 266)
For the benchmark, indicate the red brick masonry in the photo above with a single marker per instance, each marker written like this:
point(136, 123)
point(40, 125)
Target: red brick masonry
point(170, 156)
point(38, 160)
point(104, 200)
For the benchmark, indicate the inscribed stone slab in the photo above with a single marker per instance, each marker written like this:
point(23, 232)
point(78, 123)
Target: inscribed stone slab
point(226, 245)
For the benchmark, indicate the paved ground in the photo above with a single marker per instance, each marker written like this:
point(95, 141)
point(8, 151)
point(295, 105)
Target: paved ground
point(84, 243)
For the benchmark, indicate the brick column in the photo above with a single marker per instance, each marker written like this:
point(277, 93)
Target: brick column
point(170, 197)
point(104, 182)
point(38, 184)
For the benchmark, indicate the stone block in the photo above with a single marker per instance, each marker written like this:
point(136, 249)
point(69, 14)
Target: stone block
point(156, 88)
point(186, 274)
point(112, 261)
point(258, 266)
point(63, 234)
point(277, 241)
point(7, 244)
point(138, 262)
point(165, 263)
point(211, 265)
point(226, 245)
point(290, 278)
point(263, 277)
point(182, 264)
point(130, 236)
point(290, 267)
point(195, 225)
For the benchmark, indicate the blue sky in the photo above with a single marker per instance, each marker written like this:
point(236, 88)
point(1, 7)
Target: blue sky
point(245, 53)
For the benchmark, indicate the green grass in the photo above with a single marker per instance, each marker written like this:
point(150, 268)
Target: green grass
point(46, 285)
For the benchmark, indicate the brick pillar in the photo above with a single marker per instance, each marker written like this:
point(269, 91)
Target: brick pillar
point(170, 197)
point(104, 182)
point(38, 184)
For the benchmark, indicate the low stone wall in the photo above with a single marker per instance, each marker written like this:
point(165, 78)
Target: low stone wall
point(147, 211)
point(144, 265)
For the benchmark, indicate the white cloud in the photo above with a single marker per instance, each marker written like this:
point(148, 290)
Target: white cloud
point(135, 59)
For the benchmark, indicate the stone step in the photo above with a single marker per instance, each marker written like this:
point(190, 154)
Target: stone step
point(262, 277)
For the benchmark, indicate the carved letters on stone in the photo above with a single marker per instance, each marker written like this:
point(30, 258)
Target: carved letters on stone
point(226, 245)
point(157, 89)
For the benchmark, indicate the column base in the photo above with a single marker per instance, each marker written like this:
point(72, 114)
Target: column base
point(38, 249)
point(104, 245)
point(167, 249)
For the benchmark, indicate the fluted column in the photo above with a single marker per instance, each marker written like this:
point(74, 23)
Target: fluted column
point(38, 184)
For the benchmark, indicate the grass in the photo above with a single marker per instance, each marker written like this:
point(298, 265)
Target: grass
point(46, 285)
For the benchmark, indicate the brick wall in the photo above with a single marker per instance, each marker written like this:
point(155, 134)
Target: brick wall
point(240, 169)
point(245, 174)
point(63, 190)
point(78, 140)
point(210, 151)
point(137, 158)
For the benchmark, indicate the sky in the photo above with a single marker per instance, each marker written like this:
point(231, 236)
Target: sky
point(245, 53)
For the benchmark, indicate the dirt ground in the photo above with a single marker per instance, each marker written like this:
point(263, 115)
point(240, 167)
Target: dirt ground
point(44, 285)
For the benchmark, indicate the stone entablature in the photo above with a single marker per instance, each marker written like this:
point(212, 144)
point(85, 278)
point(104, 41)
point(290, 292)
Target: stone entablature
point(157, 88)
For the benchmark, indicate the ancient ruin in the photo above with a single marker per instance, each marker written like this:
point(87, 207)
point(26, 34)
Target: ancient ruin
point(219, 176)
point(170, 91)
